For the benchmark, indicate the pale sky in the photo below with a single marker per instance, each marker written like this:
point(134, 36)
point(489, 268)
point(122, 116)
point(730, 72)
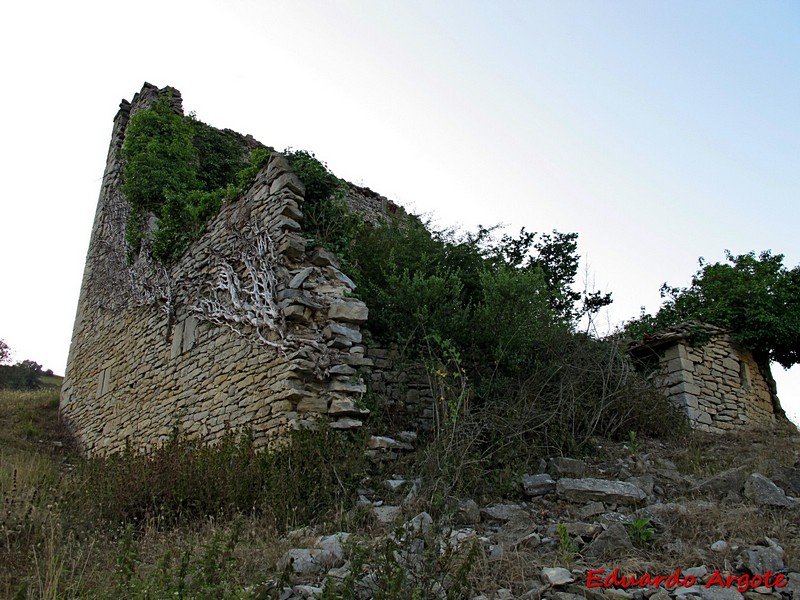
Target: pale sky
point(659, 131)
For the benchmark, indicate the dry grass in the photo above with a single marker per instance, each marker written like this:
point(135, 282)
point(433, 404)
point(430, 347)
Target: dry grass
point(758, 450)
point(48, 551)
point(49, 548)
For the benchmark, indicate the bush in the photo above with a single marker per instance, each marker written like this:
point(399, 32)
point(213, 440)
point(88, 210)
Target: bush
point(298, 480)
point(326, 217)
point(314, 473)
point(494, 321)
point(211, 572)
point(179, 169)
point(575, 390)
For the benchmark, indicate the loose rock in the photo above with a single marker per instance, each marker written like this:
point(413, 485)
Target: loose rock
point(764, 492)
point(557, 576)
point(612, 543)
point(588, 490)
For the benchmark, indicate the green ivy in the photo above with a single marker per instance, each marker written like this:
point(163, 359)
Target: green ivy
point(221, 155)
point(181, 170)
point(160, 158)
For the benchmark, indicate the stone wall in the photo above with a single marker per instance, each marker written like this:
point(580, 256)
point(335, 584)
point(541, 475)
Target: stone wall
point(718, 384)
point(250, 329)
point(403, 389)
point(373, 207)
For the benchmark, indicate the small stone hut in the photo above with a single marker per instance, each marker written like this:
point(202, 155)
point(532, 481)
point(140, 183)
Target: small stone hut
point(717, 383)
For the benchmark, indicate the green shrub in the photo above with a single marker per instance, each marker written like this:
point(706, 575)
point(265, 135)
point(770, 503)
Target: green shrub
point(299, 479)
point(327, 219)
point(179, 169)
point(640, 530)
point(572, 390)
point(314, 472)
point(525, 383)
point(258, 158)
point(221, 155)
point(159, 155)
point(411, 564)
point(178, 481)
point(211, 572)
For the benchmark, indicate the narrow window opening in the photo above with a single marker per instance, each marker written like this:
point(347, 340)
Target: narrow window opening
point(744, 375)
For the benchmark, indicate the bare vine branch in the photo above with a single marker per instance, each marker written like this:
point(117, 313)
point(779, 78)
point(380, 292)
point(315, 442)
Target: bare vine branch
point(118, 283)
point(250, 300)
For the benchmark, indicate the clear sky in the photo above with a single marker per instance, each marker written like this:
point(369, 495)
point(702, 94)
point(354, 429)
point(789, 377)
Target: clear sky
point(659, 131)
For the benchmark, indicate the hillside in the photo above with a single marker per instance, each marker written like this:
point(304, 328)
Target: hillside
point(691, 504)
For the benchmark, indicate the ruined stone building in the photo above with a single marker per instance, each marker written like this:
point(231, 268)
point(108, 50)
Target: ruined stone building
point(249, 329)
point(253, 328)
point(715, 382)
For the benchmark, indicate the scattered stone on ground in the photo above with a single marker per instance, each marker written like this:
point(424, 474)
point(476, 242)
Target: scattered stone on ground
point(574, 518)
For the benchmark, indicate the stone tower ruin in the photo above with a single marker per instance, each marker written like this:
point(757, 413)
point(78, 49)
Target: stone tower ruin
point(249, 329)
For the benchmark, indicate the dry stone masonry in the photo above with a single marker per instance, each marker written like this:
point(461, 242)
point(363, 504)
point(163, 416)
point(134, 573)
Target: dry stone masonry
point(249, 329)
point(719, 385)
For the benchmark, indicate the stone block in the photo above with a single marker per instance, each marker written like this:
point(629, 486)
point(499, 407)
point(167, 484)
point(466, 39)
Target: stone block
point(323, 258)
point(337, 329)
point(689, 400)
point(277, 165)
point(177, 340)
point(731, 365)
point(288, 181)
point(189, 333)
point(613, 542)
point(346, 423)
point(671, 379)
point(679, 364)
point(538, 485)
point(685, 387)
point(313, 404)
point(300, 277)
point(345, 407)
point(764, 492)
point(348, 387)
point(286, 224)
point(297, 313)
point(588, 490)
point(290, 296)
point(348, 311)
point(340, 342)
point(377, 442)
point(336, 275)
point(675, 351)
point(292, 246)
point(704, 418)
point(292, 211)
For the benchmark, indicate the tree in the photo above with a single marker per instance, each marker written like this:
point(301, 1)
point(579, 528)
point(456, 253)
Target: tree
point(23, 375)
point(28, 373)
point(756, 297)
